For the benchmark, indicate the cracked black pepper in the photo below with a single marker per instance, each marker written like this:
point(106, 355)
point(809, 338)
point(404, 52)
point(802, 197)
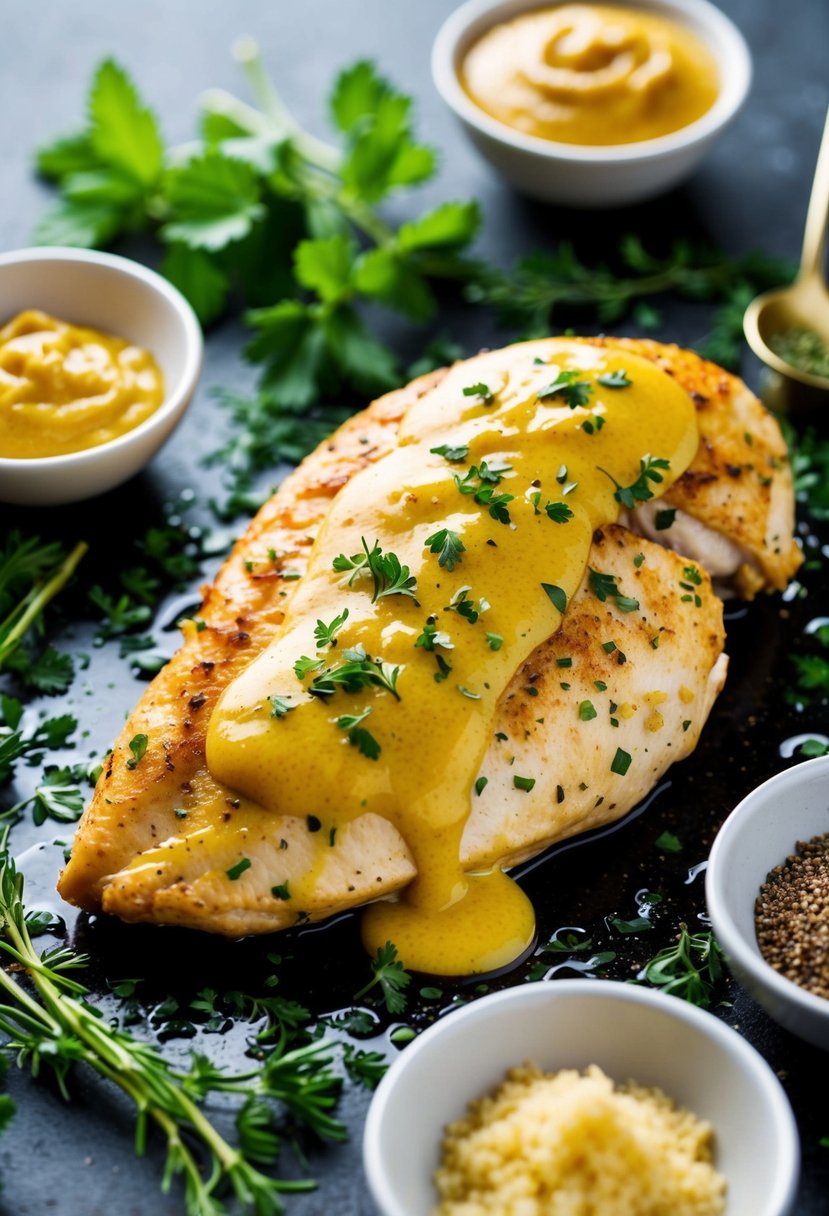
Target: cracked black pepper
point(791, 916)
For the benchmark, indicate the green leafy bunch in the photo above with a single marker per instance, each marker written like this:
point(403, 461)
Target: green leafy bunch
point(260, 207)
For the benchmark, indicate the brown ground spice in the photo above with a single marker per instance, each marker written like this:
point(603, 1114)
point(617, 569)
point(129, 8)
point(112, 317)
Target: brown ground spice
point(791, 916)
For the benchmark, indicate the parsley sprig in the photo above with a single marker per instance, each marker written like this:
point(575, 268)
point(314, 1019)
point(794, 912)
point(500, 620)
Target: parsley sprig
point(389, 576)
point(650, 470)
point(389, 974)
point(354, 673)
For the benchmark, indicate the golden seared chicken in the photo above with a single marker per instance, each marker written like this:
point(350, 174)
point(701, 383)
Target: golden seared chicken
point(447, 641)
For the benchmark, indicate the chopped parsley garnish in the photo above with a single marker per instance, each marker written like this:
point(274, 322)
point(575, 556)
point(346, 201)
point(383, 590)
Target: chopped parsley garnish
point(238, 870)
point(604, 587)
point(523, 783)
point(312, 823)
point(389, 576)
point(575, 392)
point(358, 736)
point(494, 641)
point(454, 453)
point(480, 390)
point(690, 969)
point(594, 424)
point(280, 706)
point(616, 379)
point(444, 667)
point(449, 547)
point(639, 560)
point(564, 662)
point(608, 647)
point(354, 673)
point(664, 519)
point(466, 607)
point(621, 762)
point(326, 634)
point(639, 490)
point(587, 711)
point(480, 481)
point(305, 665)
point(556, 595)
point(558, 512)
point(138, 746)
point(668, 842)
point(281, 891)
point(480, 785)
point(431, 636)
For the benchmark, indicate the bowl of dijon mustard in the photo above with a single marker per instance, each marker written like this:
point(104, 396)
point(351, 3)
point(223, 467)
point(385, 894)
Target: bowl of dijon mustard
point(99, 358)
point(592, 105)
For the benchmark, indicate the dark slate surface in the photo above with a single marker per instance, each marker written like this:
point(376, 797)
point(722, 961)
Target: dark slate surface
point(77, 1160)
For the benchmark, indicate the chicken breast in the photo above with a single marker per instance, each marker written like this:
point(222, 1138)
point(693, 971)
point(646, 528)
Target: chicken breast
point(159, 838)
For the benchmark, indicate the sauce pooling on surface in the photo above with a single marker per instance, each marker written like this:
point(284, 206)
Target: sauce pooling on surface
point(437, 573)
point(64, 388)
point(591, 74)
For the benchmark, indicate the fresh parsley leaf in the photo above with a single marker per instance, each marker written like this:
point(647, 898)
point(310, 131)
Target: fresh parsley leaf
point(326, 635)
point(280, 706)
point(605, 586)
point(138, 747)
point(575, 392)
point(214, 201)
point(237, 870)
point(615, 379)
point(123, 131)
point(639, 490)
point(481, 391)
point(454, 453)
point(448, 545)
point(556, 595)
point(691, 969)
point(664, 519)
point(388, 972)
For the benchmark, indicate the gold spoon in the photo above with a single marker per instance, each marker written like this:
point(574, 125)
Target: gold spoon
point(803, 305)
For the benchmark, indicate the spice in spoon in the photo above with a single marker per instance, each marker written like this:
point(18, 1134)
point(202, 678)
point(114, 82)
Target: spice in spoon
point(803, 348)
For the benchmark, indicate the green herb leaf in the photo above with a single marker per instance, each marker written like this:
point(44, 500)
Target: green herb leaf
point(575, 392)
point(556, 595)
point(615, 379)
point(448, 545)
point(123, 131)
point(621, 762)
point(138, 746)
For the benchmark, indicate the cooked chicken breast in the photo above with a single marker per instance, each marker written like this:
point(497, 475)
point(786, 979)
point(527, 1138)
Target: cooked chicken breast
point(158, 839)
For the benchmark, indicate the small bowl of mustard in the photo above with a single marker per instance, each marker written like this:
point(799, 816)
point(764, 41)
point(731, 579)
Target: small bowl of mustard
point(99, 359)
point(592, 105)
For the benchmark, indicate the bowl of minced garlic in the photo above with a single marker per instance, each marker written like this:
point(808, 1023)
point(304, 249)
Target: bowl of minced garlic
point(575, 1142)
point(99, 359)
point(581, 1098)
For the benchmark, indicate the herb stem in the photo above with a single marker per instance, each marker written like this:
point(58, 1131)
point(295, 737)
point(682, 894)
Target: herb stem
point(33, 604)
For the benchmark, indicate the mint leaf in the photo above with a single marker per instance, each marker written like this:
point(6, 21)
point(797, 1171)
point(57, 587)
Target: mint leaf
point(214, 201)
point(199, 278)
point(123, 131)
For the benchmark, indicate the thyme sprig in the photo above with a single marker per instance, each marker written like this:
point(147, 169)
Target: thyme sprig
point(50, 1026)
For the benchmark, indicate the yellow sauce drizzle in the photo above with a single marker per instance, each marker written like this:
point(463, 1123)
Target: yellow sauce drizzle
point(64, 388)
point(430, 711)
point(591, 74)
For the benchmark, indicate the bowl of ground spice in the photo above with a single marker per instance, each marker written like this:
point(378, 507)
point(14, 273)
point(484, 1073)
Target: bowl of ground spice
point(767, 890)
point(581, 1095)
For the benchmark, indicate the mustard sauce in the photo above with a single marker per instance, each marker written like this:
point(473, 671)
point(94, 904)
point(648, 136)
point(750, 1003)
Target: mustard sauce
point(517, 454)
point(591, 74)
point(64, 388)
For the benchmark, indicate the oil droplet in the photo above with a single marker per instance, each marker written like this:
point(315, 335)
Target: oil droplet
point(695, 872)
point(789, 746)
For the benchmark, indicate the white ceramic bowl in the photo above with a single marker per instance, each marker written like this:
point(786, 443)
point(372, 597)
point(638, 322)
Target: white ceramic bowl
point(129, 301)
point(577, 175)
point(758, 835)
point(630, 1032)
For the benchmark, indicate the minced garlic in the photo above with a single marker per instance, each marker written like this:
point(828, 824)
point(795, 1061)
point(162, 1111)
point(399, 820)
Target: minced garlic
point(574, 1144)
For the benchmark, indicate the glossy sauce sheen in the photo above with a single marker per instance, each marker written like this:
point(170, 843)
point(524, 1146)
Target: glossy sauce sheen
point(64, 388)
point(591, 74)
point(432, 739)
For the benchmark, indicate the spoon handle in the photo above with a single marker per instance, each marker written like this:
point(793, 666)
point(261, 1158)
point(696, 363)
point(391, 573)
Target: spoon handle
point(812, 259)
